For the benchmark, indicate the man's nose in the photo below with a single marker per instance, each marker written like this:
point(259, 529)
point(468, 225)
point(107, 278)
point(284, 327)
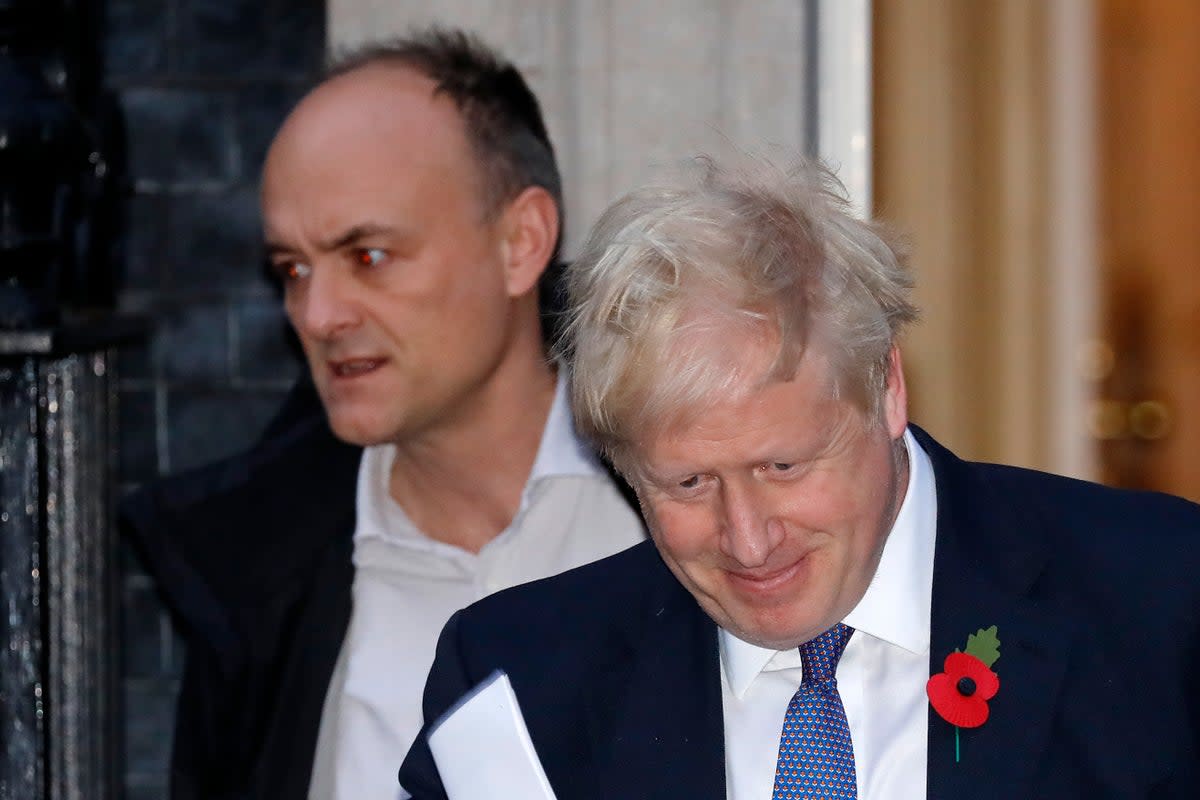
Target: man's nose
point(325, 304)
point(750, 530)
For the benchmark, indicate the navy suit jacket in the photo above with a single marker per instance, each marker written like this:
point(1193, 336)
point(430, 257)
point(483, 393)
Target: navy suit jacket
point(1095, 593)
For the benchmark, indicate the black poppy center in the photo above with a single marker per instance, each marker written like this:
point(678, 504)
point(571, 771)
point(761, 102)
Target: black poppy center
point(966, 686)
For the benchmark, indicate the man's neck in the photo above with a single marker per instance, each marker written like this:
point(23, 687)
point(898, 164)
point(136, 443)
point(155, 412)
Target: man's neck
point(462, 484)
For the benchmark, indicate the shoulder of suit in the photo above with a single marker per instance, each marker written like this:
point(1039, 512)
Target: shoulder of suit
point(1104, 505)
point(604, 593)
point(1100, 535)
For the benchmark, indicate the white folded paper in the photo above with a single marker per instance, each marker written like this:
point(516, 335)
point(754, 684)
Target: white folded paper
point(483, 750)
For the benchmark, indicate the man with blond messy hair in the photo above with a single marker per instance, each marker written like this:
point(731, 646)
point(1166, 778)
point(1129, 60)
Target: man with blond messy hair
point(817, 562)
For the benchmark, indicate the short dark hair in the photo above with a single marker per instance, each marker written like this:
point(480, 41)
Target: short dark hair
point(502, 117)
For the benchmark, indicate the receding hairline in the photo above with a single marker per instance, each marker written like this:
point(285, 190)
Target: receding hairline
point(359, 99)
point(374, 77)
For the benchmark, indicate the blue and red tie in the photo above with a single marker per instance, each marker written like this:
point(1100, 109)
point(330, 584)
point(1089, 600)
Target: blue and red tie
point(816, 758)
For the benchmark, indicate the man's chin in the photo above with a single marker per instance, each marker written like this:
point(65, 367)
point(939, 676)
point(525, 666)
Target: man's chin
point(777, 630)
point(771, 640)
point(355, 430)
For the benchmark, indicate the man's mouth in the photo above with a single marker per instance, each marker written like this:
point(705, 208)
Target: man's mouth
point(767, 579)
point(354, 367)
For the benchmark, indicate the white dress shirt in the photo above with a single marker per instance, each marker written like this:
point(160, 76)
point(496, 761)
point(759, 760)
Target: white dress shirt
point(881, 676)
point(406, 586)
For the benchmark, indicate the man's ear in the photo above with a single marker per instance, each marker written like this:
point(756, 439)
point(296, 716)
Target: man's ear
point(530, 233)
point(895, 396)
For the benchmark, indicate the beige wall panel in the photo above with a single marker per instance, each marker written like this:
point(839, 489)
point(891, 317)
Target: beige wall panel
point(762, 80)
point(516, 25)
point(665, 70)
point(588, 152)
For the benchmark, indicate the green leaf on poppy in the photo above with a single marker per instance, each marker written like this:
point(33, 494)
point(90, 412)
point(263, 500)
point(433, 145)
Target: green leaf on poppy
point(984, 645)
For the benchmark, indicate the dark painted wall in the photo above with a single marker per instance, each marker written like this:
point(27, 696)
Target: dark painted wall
point(203, 85)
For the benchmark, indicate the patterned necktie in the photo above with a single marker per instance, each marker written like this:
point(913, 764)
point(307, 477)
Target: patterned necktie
point(816, 758)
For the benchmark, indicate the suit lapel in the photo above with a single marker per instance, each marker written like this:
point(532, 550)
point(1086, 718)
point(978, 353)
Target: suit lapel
point(988, 557)
point(655, 720)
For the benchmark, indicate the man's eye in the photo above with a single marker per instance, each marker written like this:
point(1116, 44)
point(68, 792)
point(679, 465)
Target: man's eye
point(369, 256)
point(292, 270)
point(781, 466)
point(690, 483)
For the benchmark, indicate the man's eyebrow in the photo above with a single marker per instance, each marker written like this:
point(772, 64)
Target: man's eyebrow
point(354, 234)
point(272, 248)
point(358, 232)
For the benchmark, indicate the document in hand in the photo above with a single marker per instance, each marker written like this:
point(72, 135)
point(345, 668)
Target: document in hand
point(483, 750)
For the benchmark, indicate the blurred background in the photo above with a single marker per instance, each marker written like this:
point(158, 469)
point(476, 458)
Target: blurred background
point(1040, 155)
point(1043, 157)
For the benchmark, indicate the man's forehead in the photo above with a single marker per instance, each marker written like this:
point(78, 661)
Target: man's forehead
point(373, 91)
point(361, 143)
point(376, 108)
point(751, 390)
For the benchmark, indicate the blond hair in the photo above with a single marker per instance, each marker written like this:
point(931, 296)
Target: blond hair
point(668, 269)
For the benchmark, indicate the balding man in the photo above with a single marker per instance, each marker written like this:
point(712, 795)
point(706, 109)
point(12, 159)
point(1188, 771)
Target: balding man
point(411, 204)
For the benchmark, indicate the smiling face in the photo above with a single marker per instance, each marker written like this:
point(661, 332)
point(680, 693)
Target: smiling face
point(772, 508)
point(400, 287)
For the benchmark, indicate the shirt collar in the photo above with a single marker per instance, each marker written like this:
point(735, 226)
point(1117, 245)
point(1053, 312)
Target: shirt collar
point(562, 452)
point(897, 603)
point(896, 606)
point(742, 661)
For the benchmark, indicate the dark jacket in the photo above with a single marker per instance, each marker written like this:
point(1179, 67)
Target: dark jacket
point(1095, 593)
point(253, 557)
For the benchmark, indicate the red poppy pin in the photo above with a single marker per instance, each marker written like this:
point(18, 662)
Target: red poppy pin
point(960, 694)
